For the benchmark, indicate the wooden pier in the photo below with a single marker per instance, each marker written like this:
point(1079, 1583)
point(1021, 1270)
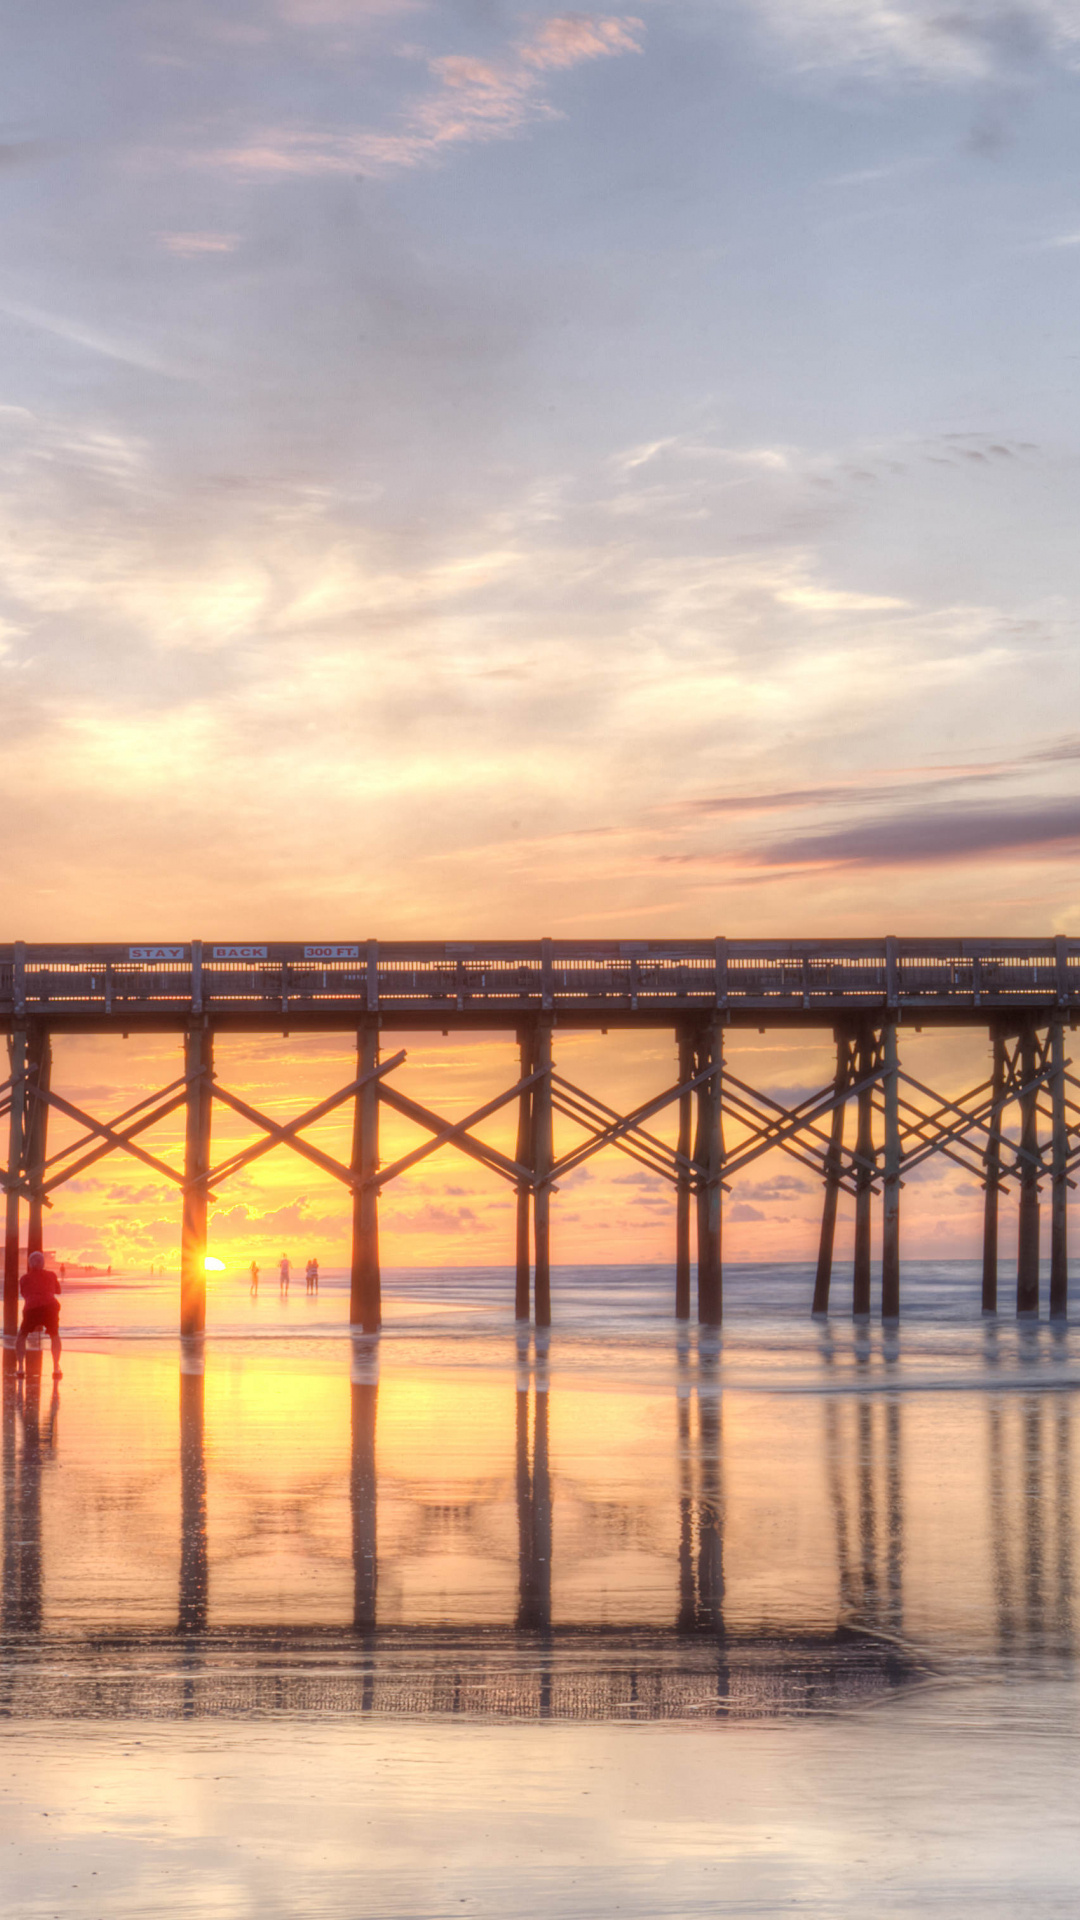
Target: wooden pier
point(1017, 1128)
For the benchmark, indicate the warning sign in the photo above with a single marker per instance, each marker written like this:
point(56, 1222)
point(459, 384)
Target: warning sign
point(331, 953)
point(155, 953)
point(238, 953)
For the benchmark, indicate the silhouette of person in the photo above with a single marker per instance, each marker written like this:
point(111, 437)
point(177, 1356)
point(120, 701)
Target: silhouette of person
point(254, 1272)
point(284, 1274)
point(312, 1274)
point(40, 1290)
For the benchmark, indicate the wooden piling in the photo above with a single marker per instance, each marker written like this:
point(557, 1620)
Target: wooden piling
point(682, 1184)
point(833, 1163)
point(16, 1121)
point(864, 1175)
point(526, 1051)
point(890, 1205)
point(199, 1066)
point(39, 1080)
point(992, 1182)
point(1059, 1243)
point(365, 1293)
point(1027, 1246)
point(709, 1154)
point(543, 1161)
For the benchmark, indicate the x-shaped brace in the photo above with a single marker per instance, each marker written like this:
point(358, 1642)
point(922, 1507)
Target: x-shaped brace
point(289, 1134)
point(456, 1134)
point(623, 1125)
point(113, 1134)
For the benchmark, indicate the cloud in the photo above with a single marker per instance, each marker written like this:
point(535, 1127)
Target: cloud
point(474, 100)
point(128, 352)
point(935, 834)
point(782, 1186)
point(190, 245)
point(432, 1219)
point(977, 41)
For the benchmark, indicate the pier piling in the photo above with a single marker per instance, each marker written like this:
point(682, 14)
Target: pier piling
point(522, 1279)
point(1027, 1246)
point(39, 1077)
point(1059, 1152)
point(992, 1182)
point(833, 1161)
point(543, 1161)
point(890, 1206)
point(685, 1041)
point(709, 1154)
point(365, 1293)
point(16, 1119)
point(864, 1175)
point(199, 1067)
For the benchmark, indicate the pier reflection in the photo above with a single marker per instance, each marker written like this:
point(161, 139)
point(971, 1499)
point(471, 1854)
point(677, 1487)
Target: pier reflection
point(193, 1609)
point(701, 1511)
point(1030, 1479)
point(863, 1464)
point(529, 1539)
point(24, 1471)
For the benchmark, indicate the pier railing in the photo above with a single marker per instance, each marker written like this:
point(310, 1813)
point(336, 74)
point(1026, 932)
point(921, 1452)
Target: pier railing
point(507, 977)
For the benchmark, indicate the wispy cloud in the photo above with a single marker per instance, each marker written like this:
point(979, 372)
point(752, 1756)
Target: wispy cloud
point(76, 333)
point(976, 40)
point(473, 100)
point(190, 245)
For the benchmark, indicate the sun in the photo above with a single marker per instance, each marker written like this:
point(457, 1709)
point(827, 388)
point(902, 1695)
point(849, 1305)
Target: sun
point(210, 1265)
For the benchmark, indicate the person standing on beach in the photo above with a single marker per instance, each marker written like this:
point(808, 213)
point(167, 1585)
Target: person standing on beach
point(40, 1290)
point(284, 1274)
point(254, 1272)
point(312, 1273)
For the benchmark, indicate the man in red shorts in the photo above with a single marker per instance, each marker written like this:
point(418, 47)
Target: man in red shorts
point(40, 1290)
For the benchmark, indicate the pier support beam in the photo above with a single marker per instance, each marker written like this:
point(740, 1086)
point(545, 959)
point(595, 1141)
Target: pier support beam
point(16, 1121)
point(199, 1100)
point(523, 1155)
point(864, 1176)
point(1059, 1243)
point(833, 1160)
point(682, 1187)
point(1027, 1246)
point(709, 1154)
point(890, 1205)
point(365, 1293)
point(39, 1080)
point(543, 1159)
point(992, 1184)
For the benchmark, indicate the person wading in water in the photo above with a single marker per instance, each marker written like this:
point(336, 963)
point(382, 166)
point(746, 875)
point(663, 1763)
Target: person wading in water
point(40, 1290)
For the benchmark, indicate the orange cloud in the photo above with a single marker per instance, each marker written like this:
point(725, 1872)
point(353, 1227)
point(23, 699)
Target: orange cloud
point(474, 100)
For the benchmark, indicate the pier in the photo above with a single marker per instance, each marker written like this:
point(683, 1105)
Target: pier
point(1016, 1130)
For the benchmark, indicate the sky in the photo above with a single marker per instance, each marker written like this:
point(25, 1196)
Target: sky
point(480, 470)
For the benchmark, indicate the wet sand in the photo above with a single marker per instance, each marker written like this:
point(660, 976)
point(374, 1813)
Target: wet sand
point(629, 1620)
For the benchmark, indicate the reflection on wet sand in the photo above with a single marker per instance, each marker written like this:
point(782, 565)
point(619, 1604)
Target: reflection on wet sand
point(1029, 1442)
point(193, 1606)
point(539, 1658)
point(863, 1465)
point(525, 1540)
point(24, 1470)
